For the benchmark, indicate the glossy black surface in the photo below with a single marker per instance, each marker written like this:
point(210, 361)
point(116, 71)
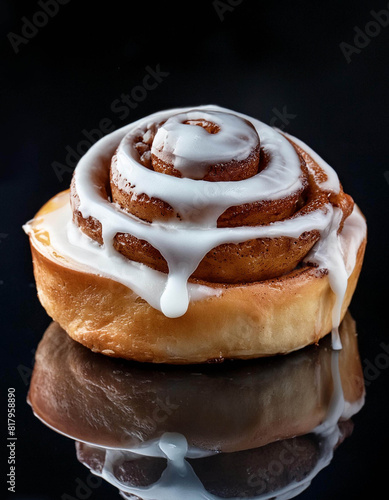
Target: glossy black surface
point(264, 59)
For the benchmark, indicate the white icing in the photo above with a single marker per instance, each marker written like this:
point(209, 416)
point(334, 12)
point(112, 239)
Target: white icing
point(353, 233)
point(201, 202)
point(183, 248)
point(191, 149)
point(337, 253)
point(84, 254)
point(184, 243)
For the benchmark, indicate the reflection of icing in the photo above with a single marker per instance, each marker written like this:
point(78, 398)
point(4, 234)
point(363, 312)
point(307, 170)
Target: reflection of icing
point(323, 402)
point(179, 480)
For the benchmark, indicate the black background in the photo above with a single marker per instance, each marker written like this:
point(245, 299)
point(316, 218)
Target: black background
point(261, 58)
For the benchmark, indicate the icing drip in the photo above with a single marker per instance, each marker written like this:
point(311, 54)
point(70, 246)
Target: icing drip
point(327, 254)
point(183, 243)
point(332, 253)
point(82, 253)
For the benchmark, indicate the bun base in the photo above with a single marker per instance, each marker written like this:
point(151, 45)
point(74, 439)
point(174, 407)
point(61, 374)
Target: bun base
point(245, 321)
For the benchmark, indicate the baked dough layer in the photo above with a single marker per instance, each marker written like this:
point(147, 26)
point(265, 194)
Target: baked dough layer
point(250, 320)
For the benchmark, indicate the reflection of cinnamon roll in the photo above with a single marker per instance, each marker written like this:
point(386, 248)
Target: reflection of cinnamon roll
point(227, 408)
point(238, 417)
point(196, 235)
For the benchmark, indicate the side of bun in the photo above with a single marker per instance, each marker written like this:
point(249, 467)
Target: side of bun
point(245, 321)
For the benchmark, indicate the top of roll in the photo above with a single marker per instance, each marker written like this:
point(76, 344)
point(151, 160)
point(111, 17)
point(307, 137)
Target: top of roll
point(207, 145)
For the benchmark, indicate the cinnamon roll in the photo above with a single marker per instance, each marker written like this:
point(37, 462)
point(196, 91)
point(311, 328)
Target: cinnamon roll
point(198, 234)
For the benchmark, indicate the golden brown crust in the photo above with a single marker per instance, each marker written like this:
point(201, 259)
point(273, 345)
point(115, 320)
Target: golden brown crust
point(245, 321)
